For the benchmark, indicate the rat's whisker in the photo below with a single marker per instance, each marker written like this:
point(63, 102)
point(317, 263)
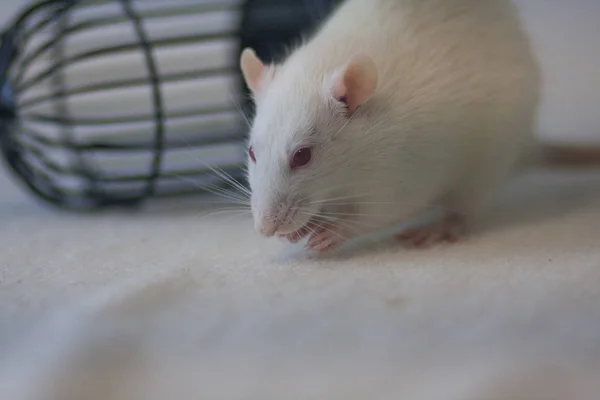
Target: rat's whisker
point(223, 202)
point(224, 174)
point(233, 181)
point(226, 195)
point(338, 198)
point(309, 214)
point(234, 194)
point(216, 190)
point(374, 203)
point(226, 210)
point(237, 214)
point(221, 211)
point(220, 173)
point(241, 111)
point(358, 225)
point(322, 226)
point(421, 206)
point(219, 191)
point(229, 179)
point(345, 223)
point(329, 189)
point(336, 214)
point(338, 225)
point(319, 220)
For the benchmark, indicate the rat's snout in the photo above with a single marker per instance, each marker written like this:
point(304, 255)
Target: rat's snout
point(276, 220)
point(266, 226)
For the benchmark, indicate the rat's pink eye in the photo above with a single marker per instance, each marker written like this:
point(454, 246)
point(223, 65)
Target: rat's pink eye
point(301, 157)
point(251, 153)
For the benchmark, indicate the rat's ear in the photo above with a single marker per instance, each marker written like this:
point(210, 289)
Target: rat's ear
point(253, 69)
point(356, 83)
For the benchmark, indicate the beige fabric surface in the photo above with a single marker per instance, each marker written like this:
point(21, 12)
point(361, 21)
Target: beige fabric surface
point(170, 303)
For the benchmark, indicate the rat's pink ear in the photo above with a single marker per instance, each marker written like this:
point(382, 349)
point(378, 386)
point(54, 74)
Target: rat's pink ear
point(252, 68)
point(356, 83)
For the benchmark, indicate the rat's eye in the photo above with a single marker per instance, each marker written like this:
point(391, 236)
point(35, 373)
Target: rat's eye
point(301, 157)
point(251, 154)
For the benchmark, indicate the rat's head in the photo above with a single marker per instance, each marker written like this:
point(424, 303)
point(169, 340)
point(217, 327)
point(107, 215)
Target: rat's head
point(300, 138)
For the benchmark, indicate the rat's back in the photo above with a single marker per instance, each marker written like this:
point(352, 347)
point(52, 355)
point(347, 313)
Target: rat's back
point(458, 85)
point(457, 48)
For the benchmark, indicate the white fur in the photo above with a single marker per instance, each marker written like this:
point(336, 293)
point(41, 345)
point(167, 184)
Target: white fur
point(452, 113)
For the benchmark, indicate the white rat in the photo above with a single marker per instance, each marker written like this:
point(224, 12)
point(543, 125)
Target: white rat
point(391, 108)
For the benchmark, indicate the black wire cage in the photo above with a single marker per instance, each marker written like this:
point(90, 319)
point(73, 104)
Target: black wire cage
point(110, 102)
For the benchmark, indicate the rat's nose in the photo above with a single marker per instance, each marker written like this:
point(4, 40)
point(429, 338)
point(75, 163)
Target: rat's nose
point(266, 226)
point(272, 219)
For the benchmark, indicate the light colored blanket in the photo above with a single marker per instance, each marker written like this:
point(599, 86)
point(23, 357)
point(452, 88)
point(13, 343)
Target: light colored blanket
point(169, 303)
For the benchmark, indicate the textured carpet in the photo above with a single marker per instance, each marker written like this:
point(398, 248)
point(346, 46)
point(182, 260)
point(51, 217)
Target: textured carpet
point(171, 303)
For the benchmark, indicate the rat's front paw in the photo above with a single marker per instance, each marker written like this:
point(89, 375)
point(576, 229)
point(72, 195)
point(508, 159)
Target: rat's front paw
point(297, 236)
point(325, 238)
point(450, 229)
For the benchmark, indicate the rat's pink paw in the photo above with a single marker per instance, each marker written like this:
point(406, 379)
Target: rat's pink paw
point(450, 229)
point(300, 234)
point(297, 236)
point(324, 239)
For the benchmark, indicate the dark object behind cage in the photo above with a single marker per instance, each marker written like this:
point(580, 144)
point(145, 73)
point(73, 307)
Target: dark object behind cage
point(56, 138)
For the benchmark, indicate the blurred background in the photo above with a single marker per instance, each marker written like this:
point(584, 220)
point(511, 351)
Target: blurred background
point(117, 101)
point(113, 104)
